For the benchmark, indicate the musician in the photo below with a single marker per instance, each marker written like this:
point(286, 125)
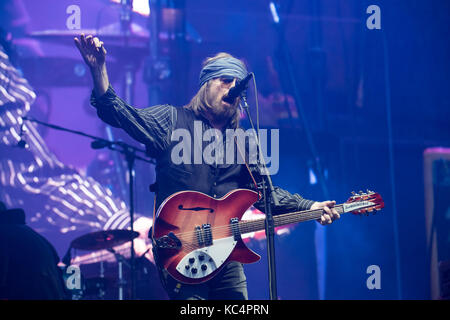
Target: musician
point(154, 126)
point(28, 262)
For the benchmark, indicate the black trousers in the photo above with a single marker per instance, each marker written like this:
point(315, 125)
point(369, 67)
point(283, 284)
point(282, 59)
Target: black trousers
point(229, 284)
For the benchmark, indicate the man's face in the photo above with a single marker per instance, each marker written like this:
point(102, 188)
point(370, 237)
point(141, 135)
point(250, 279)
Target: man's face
point(217, 90)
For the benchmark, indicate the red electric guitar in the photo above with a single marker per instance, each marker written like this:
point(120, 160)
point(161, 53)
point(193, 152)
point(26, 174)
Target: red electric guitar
point(196, 235)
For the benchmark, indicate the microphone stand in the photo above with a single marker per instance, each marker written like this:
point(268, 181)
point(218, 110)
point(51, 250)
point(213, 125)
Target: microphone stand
point(130, 155)
point(291, 78)
point(268, 196)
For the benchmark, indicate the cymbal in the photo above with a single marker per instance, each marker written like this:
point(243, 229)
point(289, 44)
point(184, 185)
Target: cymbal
point(61, 71)
point(138, 37)
point(103, 239)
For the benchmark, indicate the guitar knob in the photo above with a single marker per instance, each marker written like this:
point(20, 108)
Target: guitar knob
point(187, 267)
point(191, 260)
point(201, 257)
point(204, 267)
point(194, 270)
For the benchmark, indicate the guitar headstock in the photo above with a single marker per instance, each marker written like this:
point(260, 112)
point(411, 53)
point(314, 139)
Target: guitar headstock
point(364, 202)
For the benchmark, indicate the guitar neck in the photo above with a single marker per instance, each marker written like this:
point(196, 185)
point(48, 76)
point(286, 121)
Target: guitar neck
point(284, 219)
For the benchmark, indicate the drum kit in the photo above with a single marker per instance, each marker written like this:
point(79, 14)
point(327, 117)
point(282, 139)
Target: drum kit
point(102, 271)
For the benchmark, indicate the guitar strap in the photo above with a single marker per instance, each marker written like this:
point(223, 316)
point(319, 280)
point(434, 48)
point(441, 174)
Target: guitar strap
point(248, 168)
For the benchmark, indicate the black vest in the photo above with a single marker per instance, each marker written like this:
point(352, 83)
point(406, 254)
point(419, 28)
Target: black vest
point(212, 179)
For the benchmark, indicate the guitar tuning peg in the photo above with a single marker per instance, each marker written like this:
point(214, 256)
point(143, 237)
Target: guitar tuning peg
point(368, 191)
point(361, 192)
point(354, 193)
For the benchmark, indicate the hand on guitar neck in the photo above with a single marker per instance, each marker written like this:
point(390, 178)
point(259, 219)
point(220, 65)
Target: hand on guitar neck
point(329, 212)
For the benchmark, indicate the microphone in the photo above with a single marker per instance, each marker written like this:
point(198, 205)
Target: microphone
point(99, 144)
point(238, 89)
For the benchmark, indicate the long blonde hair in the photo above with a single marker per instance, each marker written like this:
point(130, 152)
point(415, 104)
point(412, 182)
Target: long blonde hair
point(199, 103)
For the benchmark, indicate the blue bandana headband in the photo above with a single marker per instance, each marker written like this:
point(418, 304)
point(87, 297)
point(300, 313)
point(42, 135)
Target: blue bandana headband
point(223, 67)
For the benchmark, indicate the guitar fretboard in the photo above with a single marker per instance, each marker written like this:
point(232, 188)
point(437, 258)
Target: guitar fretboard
point(284, 219)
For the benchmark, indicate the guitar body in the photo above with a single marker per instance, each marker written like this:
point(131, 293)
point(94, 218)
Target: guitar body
point(195, 236)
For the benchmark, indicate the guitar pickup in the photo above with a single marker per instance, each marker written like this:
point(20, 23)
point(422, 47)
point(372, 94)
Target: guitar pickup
point(204, 235)
point(199, 234)
point(207, 235)
point(234, 223)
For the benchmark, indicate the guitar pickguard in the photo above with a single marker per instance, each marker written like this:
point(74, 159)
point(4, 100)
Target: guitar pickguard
point(203, 261)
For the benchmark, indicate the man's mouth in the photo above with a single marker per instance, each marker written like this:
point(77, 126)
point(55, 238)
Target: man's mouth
point(223, 100)
point(228, 103)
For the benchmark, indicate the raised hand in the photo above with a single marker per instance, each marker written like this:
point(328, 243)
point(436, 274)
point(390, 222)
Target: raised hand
point(92, 51)
point(94, 54)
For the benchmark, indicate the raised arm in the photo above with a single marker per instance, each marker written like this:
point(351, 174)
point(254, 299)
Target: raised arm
point(94, 55)
point(151, 126)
